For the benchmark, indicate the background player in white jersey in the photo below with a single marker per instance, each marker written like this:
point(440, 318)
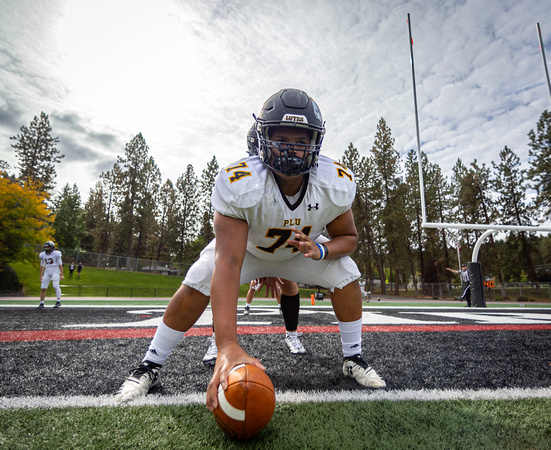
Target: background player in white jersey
point(270, 210)
point(51, 269)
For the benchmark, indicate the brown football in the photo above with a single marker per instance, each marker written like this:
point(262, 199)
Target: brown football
point(248, 403)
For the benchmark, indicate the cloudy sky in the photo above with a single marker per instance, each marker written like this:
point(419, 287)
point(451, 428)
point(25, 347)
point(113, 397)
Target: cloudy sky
point(189, 74)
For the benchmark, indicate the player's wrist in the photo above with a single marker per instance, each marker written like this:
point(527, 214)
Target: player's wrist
point(324, 253)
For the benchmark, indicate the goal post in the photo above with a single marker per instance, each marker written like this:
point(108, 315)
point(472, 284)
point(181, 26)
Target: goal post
point(474, 267)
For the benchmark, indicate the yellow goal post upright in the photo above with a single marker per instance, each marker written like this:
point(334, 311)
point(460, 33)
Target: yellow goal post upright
point(474, 267)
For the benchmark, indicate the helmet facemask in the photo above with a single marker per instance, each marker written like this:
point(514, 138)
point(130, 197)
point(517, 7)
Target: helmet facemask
point(48, 247)
point(289, 159)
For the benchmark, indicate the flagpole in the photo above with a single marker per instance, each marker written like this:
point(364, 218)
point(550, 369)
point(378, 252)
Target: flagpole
point(419, 159)
point(543, 56)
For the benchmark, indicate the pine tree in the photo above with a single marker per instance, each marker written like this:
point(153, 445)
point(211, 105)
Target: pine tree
point(167, 221)
point(540, 164)
point(386, 161)
point(146, 211)
point(510, 185)
point(37, 154)
point(187, 215)
point(129, 177)
point(368, 252)
point(70, 218)
point(207, 185)
point(97, 235)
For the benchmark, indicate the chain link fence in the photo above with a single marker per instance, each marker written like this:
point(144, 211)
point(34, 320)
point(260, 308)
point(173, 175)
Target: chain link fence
point(116, 262)
point(492, 292)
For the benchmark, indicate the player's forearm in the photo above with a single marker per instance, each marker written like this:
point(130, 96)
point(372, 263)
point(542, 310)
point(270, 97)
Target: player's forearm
point(224, 295)
point(341, 246)
point(231, 243)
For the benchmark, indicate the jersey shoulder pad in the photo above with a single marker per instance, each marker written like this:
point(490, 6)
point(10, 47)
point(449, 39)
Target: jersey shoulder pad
point(239, 185)
point(337, 179)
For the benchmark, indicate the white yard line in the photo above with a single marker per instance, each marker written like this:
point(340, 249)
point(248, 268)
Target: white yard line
point(424, 395)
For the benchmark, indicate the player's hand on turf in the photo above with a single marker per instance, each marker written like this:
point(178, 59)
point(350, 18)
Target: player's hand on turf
point(304, 244)
point(273, 286)
point(229, 356)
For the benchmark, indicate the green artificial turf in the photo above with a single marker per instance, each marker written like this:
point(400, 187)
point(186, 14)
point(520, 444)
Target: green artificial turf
point(461, 424)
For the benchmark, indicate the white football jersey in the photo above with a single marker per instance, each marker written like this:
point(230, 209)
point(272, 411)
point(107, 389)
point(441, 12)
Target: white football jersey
point(247, 190)
point(51, 261)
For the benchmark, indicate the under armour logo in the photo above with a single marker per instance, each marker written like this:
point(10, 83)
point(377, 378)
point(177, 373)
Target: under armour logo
point(316, 206)
point(153, 351)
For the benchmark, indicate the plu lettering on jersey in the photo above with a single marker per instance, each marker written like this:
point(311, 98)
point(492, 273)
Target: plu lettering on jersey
point(343, 171)
point(291, 223)
point(237, 174)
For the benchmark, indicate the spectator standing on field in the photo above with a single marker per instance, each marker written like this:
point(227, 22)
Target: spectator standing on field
point(79, 268)
point(71, 269)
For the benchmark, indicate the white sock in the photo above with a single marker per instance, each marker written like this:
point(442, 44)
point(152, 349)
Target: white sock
point(291, 333)
point(351, 337)
point(163, 342)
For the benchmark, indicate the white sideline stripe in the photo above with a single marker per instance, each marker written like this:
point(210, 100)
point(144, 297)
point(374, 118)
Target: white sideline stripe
point(424, 395)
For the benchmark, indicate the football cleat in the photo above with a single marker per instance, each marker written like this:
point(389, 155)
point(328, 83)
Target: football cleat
point(247, 310)
point(355, 367)
point(294, 344)
point(139, 382)
point(57, 305)
point(212, 352)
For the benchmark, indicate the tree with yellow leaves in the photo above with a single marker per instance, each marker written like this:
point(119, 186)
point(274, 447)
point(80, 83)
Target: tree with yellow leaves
point(25, 221)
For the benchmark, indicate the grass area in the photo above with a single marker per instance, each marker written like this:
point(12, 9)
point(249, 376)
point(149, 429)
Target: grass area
point(95, 282)
point(514, 424)
point(90, 276)
point(109, 284)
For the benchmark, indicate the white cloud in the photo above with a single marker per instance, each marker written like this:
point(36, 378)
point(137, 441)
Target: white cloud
point(189, 74)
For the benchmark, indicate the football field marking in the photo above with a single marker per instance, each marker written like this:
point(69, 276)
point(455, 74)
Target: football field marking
point(424, 395)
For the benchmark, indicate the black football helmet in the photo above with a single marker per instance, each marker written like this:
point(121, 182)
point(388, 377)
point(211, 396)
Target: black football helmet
point(48, 246)
point(252, 141)
point(290, 108)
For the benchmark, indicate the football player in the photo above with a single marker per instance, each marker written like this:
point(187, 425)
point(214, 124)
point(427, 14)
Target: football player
point(269, 210)
point(281, 289)
point(51, 269)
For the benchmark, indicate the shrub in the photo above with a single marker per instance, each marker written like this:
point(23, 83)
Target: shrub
point(9, 281)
